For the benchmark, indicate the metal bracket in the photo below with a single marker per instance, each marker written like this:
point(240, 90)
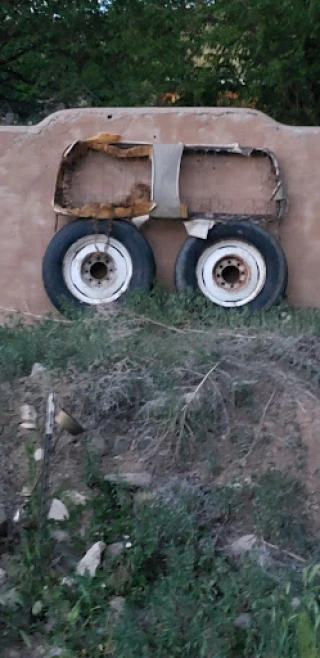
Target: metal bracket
point(199, 227)
point(166, 161)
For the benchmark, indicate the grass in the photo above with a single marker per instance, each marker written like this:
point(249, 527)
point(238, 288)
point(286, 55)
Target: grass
point(183, 593)
point(83, 338)
point(202, 392)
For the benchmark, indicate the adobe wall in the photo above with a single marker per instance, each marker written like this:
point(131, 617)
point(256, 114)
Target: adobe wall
point(29, 160)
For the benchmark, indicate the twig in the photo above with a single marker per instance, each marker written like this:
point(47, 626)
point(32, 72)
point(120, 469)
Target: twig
point(46, 472)
point(160, 324)
point(190, 400)
point(283, 550)
point(33, 315)
point(259, 430)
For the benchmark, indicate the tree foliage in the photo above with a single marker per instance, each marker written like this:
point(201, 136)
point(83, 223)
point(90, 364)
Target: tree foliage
point(262, 53)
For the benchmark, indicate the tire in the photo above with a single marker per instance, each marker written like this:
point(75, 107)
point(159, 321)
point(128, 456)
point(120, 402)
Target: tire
point(239, 265)
point(84, 268)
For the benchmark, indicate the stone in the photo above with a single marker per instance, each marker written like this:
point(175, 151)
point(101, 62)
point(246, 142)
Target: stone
point(76, 498)
point(37, 608)
point(116, 549)
point(98, 446)
point(28, 417)
point(116, 606)
point(136, 480)
point(295, 602)
point(91, 560)
point(38, 371)
point(243, 545)
point(9, 118)
point(38, 455)
point(243, 620)
point(59, 535)
point(18, 515)
point(67, 580)
point(25, 492)
point(58, 511)
point(3, 576)
point(10, 599)
point(121, 445)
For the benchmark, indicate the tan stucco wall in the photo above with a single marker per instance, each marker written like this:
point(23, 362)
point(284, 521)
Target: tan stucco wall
point(29, 160)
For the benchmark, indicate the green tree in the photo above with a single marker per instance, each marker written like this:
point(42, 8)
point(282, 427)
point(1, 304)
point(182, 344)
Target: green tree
point(274, 46)
point(134, 52)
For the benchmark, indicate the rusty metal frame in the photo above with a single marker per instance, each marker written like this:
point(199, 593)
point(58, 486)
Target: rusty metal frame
point(140, 211)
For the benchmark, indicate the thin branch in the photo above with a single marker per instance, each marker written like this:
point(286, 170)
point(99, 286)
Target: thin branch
point(33, 315)
point(259, 429)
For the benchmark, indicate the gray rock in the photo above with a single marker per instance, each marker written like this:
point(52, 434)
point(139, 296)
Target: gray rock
point(3, 576)
point(28, 416)
point(91, 560)
point(243, 620)
point(116, 606)
point(9, 118)
point(37, 608)
point(59, 535)
point(10, 599)
point(295, 602)
point(243, 545)
point(75, 497)
point(137, 480)
point(38, 372)
point(116, 549)
point(38, 455)
point(98, 446)
point(58, 511)
point(121, 445)
point(54, 652)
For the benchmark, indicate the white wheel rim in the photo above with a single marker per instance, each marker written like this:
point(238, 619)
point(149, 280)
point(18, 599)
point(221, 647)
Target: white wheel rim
point(231, 273)
point(97, 269)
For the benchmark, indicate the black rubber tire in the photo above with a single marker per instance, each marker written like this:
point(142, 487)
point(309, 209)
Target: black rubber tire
point(276, 264)
point(52, 274)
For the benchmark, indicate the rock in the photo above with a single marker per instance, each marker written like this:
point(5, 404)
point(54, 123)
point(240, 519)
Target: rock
point(38, 371)
point(28, 417)
point(10, 599)
point(59, 535)
point(37, 608)
point(38, 455)
point(137, 480)
point(295, 602)
point(121, 445)
point(67, 580)
point(243, 545)
point(25, 492)
point(76, 498)
point(243, 620)
point(116, 549)
point(98, 446)
point(3, 576)
point(58, 511)
point(18, 515)
point(9, 118)
point(55, 652)
point(92, 559)
point(116, 606)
